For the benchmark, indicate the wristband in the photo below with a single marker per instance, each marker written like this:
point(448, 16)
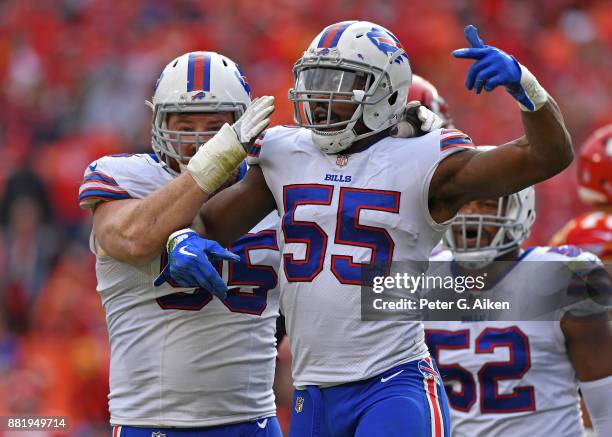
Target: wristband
point(178, 236)
point(535, 93)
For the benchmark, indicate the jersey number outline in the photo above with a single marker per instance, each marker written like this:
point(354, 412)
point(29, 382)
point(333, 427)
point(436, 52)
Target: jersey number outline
point(243, 272)
point(521, 398)
point(348, 232)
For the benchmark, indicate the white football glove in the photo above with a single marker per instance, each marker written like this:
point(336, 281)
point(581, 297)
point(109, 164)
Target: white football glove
point(212, 164)
point(416, 120)
point(254, 120)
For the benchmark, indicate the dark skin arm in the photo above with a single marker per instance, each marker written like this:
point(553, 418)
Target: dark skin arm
point(544, 151)
point(589, 346)
point(218, 218)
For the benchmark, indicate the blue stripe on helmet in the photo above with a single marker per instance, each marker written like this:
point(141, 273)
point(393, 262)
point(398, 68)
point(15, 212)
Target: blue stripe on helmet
point(339, 33)
point(206, 84)
point(323, 37)
point(190, 67)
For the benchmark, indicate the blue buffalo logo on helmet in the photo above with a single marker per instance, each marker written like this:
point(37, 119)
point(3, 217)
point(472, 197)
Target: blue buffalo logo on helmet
point(386, 43)
point(200, 95)
point(243, 80)
point(322, 51)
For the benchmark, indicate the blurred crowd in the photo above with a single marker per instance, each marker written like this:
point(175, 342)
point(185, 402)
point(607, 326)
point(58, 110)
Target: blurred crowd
point(75, 74)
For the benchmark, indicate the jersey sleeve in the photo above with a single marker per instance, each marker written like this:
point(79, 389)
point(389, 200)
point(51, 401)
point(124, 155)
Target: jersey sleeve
point(450, 141)
point(119, 177)
point(271, 145)
point(100, 184)
point(590, 288)
point(453, 141)
point(253, 156)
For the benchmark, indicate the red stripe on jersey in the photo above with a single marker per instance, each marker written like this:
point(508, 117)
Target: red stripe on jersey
point(114, 190)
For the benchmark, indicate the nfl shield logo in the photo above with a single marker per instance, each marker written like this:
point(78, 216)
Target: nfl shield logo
point(341, 160)
point(299, 404)
point(158, 434)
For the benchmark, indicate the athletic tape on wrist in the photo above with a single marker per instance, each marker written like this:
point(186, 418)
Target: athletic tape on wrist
point(535, 92)
point(214, 161)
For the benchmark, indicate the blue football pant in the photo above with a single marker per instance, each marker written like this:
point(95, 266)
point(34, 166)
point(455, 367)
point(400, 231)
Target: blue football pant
point(268, 427)
point(407, 401)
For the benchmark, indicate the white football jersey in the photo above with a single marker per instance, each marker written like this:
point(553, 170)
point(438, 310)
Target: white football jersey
point(339, 215)
point(511, 378)
point(181, 357)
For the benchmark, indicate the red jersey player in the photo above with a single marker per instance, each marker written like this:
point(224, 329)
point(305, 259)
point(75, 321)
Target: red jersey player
point(592, 230)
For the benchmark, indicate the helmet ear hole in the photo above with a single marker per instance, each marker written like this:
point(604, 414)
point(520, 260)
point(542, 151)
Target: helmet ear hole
point(392, 98)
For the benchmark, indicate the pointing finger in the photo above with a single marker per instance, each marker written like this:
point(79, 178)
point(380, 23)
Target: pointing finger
point(471, 34)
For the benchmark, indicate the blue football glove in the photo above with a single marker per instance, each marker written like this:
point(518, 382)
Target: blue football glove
point(494, 67)
point(189, 266)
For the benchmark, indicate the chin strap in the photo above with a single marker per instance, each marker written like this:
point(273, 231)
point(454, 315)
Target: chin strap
point(340, 145)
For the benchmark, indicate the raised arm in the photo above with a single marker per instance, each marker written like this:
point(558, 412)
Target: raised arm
point(544, 151)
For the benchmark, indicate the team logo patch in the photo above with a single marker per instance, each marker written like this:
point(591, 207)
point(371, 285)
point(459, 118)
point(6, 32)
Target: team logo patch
point(321, 51)
point(567, 250)
point(299, 404)
point(386, 43)
point(158, 434)
point(200, 95)
point(428, 371)
point(342, 160)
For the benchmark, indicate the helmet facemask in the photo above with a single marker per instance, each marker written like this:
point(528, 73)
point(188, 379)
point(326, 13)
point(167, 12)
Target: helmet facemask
point(505, 230)
point(179, 146)
point(325, 83)
point(194, 83)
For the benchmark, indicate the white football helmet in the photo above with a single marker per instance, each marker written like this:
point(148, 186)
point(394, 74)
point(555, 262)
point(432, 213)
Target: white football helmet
point(194, 82)
point(354, 62)
point(515, 215)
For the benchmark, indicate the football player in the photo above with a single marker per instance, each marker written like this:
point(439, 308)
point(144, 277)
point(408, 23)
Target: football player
point(519, 377)
point(183, 362)
point(351, 197)
point(592, 230)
